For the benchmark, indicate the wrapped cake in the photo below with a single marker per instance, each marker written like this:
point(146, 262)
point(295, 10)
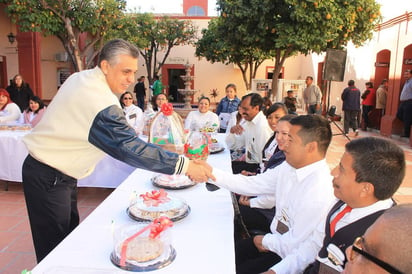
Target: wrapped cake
point(166, 130)
point(157, 203)
point(143, 247)
point(172, 181)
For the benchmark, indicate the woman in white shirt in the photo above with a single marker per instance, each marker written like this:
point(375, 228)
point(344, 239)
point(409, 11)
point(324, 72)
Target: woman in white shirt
point(134, 115)
point(9, 111)
point(202, 119)
point(33, 114)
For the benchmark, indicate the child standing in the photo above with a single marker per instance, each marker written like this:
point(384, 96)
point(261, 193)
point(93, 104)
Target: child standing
point(226, 106)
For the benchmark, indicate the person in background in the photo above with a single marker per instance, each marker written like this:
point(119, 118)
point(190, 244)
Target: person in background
point(290, 102)
point(82, 124)
point(20, 92)
point(351, 107)
point(368, 104)
point(140, 91)
point(133, 114)
point(202, 119)
point(405, 108)
point(9, 111)
point(301, 190)
point(386, 245)
point(368, 175)
point(33, 114)
point(312, 97)
point(226, 106)
point(382, 95)
point(157, 86)
point(254, 133)
point(266, 104)
point(158, 101)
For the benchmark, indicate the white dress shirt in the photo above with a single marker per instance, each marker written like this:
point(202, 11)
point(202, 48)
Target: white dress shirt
point(255, 135)
point(197, 120)
point(134, 117)
point(10, 114)
point(302, 198)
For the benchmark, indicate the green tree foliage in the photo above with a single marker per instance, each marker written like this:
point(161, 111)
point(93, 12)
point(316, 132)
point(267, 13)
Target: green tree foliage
point(71, 21)
point(215, 47)
point(155, 37)
point(287, 27)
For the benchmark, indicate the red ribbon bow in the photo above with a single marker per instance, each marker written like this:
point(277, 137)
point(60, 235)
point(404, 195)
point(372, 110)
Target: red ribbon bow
point(156, 227)
point(167, 109)
point(159, 225)
point(155, 197)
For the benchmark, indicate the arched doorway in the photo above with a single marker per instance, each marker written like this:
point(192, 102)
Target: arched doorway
point(382, 64)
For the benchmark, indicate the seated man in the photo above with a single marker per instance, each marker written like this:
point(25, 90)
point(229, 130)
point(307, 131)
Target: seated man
point(302, 193)
point(255, 131)
point(369, 173)
point(385, 247)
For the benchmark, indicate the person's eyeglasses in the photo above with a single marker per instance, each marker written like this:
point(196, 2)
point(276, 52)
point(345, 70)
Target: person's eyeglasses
point(356, 246)
point(127, 98)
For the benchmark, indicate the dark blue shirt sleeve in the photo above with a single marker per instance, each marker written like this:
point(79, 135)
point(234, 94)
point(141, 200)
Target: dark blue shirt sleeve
point(111, 133)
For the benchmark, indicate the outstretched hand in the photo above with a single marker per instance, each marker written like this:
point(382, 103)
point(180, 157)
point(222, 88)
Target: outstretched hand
point(199, 171)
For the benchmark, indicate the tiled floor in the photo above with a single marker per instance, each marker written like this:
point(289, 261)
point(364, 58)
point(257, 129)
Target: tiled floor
point(16, 248)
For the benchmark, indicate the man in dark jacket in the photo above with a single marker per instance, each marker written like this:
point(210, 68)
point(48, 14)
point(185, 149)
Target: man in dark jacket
point(351, 107)
point(140, 91)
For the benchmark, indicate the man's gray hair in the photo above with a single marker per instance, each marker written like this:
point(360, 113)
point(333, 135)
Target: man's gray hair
point(112, 49)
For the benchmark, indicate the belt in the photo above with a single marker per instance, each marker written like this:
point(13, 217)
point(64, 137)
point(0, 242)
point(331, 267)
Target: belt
point(409, 100)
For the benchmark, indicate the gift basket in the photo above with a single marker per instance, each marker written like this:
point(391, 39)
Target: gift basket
point(166, 130)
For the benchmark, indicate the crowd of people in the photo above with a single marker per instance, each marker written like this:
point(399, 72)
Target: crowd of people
point(18, 104)
point(299, 216)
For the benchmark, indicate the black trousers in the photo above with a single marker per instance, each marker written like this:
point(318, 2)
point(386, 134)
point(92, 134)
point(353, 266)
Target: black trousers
point(51, 200)
point(405, 115)
point(365, 115)
point(250, 261)
point(255, 219)
point(238, 166)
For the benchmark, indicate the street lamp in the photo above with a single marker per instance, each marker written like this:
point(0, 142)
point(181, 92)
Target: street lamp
point(11, 37)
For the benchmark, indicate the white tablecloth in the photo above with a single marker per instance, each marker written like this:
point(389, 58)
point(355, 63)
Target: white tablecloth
point(109, 172)
point(203, 240)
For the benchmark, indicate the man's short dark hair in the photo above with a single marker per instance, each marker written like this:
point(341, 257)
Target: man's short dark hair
point(314, 128)
point(351, 83)
point(379, 162)
point(255, 99)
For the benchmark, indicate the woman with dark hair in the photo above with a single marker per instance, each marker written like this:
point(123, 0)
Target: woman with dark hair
point(273, 114)
point(33, 114)
point(368, 104)
point(133, 114)
point(9, 111)
point(20, 92)
point(267, 103)
point(203, 118)
point(158, 100)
